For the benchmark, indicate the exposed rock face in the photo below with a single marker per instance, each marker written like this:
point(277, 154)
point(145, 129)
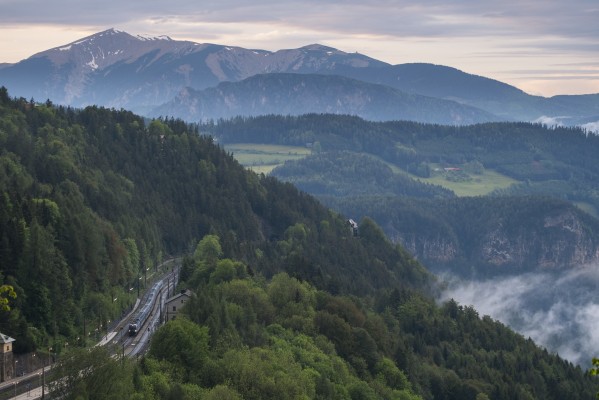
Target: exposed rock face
point(437, 249)
point(557, 241)
point(562, 241)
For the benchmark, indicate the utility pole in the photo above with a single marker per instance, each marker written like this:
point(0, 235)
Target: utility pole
point(43, 379)
point(44, 372)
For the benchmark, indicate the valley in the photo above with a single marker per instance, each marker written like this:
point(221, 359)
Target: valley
point(347, 228)
point(263, 158)
point(507, 238)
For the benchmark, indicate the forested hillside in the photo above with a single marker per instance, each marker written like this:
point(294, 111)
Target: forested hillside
point(543, 161)
point(296, 94)
point(92, 198)
point(478, 237)
point(289, 303)
point(524, 164)
point(246, 337)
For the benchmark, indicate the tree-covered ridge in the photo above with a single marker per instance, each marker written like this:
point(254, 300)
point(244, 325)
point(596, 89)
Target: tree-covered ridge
point(349, 174)
point(385, 163)
point(298, 93)
point(91, 199)
point(246, 337)
point(289, 304)
point(540, 158)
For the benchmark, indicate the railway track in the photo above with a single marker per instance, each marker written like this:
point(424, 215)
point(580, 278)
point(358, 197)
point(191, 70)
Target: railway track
point(117, 340)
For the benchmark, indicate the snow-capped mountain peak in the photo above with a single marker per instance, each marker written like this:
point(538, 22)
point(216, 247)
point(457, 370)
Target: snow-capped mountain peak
point(149, 37)
point(108, 47)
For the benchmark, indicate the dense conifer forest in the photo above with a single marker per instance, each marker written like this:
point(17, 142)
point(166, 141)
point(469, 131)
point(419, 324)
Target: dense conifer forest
point(393, 172)
point(555, 161)
point(288, 303)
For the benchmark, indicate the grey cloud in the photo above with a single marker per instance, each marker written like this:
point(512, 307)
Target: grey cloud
point(399, 18)
point(561, 77)
point(573, 72)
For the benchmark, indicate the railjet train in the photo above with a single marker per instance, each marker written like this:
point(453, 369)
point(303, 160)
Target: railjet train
point(143, 314)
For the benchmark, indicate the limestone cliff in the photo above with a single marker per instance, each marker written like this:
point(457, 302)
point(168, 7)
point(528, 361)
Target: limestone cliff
point(518, 235)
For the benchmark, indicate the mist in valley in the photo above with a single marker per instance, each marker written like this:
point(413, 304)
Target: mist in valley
point(559, 311)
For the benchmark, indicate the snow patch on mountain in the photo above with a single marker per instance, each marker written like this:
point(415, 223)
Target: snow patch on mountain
point(92, 64)
point(150, 38)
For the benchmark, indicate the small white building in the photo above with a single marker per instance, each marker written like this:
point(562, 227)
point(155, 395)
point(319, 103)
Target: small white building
point(353, 225)
point(175, 303)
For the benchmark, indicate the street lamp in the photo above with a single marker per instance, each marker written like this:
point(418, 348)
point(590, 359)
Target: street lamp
point(16, 388)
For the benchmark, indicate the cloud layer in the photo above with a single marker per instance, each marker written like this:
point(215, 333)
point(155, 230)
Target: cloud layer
point(559, 312)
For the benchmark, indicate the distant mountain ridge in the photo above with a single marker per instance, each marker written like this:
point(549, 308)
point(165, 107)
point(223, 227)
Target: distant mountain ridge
point(296, 94)
point(116, 69)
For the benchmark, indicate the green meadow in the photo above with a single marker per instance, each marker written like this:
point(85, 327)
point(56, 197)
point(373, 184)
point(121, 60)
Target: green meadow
point(469, 184)
point(263, 158)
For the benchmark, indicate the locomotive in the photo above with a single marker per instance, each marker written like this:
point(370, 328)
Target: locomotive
point(143, 314)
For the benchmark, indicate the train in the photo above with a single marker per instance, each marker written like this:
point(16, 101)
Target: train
point(143, 314)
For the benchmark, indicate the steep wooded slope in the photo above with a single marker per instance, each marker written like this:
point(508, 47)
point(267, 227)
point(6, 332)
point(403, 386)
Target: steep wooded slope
point(90, 198)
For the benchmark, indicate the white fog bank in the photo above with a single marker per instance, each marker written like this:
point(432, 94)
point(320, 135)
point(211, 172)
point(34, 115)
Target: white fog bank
point(558, 311)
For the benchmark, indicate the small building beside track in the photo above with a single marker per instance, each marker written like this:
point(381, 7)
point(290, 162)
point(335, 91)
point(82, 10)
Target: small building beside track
point(174, 304)
point(7, 370)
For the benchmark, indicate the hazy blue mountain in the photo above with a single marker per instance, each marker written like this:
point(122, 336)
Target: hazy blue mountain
point(296, 94)
point(115, 69)
point(574, 110)
point(452, 84)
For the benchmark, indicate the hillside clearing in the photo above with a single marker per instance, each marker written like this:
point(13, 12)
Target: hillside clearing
point(263, 158)
point(469, 184)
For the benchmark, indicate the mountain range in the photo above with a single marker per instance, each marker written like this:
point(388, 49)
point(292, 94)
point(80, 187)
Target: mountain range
point(156, 75)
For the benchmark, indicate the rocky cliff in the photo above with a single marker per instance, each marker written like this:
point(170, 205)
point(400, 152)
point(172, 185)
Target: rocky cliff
point(488, 235)
point(562, 239)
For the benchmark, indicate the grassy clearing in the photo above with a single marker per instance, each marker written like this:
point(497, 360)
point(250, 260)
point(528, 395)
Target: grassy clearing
point(471, 184)
point(263, 158)
point(587, 207)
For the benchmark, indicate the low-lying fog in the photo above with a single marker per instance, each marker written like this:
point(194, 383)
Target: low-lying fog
point(558, 311)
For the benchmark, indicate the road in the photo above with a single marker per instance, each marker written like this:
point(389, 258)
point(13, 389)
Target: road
point(29, 386)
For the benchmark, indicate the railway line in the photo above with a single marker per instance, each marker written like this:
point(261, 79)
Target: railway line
point(147, 316)
point(131, 337)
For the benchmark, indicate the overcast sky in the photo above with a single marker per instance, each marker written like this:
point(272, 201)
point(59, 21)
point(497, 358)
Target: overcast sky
point(544, 47)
